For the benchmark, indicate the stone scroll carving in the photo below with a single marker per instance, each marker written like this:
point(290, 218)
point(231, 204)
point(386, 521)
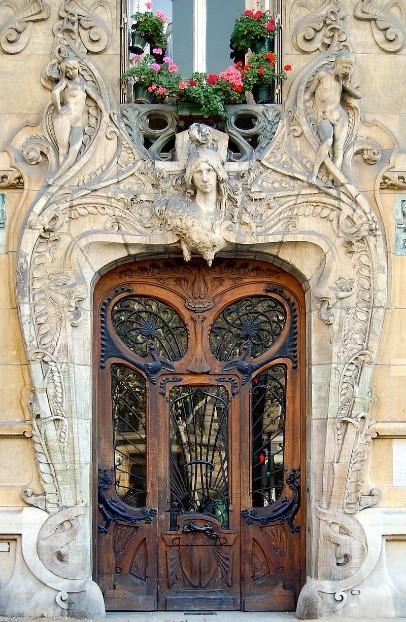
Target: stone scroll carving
point(321, 28)
point(387, 20)
point(16, 21)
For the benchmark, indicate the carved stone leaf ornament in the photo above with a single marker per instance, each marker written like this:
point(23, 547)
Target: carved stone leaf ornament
point(387, 20)
point(16, 26)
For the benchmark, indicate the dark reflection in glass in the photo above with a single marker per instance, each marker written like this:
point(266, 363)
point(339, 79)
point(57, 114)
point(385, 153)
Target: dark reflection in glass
point(198, 452)
point(141, 322)
point(268, 403)
point(257, 320)
point(129, 435)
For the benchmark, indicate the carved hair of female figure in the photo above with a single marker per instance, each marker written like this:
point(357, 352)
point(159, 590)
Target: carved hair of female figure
point(210, 157)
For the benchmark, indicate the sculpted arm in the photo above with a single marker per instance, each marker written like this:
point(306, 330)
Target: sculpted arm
point(315, 83)
point(349, 90)
point(56, 94)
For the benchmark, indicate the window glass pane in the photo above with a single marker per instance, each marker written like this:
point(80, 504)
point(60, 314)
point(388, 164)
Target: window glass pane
point(198, 449)
point(129, 435)
point(254, 322)
point(268, 403)
point(144, 322)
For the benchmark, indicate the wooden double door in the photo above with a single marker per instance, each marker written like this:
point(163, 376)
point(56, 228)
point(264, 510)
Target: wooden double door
point(199, 428)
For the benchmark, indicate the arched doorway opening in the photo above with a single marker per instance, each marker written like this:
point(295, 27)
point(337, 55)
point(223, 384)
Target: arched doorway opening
point(199, 429)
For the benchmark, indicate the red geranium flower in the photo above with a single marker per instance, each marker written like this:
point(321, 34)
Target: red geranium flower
point(257, 14)
point(238, 64)
point(193, 82)
point(260, 71)
point(248, 13)
point(246, 68)
point(287, 68)
point(238, 88)
point(271, 57)
point(212, 78)
point(271, 25)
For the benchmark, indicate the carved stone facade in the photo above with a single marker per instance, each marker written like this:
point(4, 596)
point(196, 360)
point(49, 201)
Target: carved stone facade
point(315, 196)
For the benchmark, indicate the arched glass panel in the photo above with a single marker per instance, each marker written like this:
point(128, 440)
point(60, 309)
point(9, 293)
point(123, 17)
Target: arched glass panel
point(140, 322)
point(198, 450)
point(129, 435)
point(258, 320)
point(268, 407)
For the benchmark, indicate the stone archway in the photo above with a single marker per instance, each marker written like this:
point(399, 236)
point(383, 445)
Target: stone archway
point(111, 205)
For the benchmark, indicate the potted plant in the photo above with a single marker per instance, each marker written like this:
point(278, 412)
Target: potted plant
point(253, 30)
point(153, 81)
point(148, 27)
point(207, 96)
point(259, 76)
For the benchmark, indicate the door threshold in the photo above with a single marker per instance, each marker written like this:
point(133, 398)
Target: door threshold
point(200, 616)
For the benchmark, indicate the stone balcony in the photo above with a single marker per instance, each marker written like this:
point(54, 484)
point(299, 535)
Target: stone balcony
point(153, 128)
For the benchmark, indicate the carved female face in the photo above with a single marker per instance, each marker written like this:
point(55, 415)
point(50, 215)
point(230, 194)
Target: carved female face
point(204, 177)
point(71, 70)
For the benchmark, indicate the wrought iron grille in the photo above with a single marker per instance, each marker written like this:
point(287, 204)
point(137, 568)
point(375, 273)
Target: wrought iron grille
point(141, 322)
point(128, 392)
point(257, 320)
point(198, 452)
point(268, 408)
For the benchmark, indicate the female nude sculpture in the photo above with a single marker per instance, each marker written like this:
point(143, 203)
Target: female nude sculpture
point(69, 117)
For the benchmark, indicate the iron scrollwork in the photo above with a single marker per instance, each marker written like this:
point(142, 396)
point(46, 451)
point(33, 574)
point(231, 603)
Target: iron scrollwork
point(115, 511)
point(282, 511)
point(207, 529)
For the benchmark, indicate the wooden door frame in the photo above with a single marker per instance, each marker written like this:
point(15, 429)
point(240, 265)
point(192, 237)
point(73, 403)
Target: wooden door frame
point(277, 277)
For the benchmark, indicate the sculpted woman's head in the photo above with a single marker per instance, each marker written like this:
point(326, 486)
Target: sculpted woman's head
point(204, 173)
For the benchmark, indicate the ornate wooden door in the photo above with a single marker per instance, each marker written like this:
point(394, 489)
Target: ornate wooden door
point(199, 427)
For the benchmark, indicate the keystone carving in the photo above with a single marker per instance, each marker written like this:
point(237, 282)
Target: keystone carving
point(199, 218)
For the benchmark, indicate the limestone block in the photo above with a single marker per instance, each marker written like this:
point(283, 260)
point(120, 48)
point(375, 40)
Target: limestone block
point(389, 391)
point(16, 467)
point(394, 338)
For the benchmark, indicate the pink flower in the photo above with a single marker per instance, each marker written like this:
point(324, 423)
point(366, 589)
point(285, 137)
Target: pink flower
point(182, 85)
point(271, 25)
point(157, 51)
point(150, 89)
point(167, 59)
point(161, 15)
point(173, 68)
point(232, 75)
point(148, 5)
point(248, 13)
point(155, 67)
point(135, 57)
point(257, 14)
point(162, 90)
